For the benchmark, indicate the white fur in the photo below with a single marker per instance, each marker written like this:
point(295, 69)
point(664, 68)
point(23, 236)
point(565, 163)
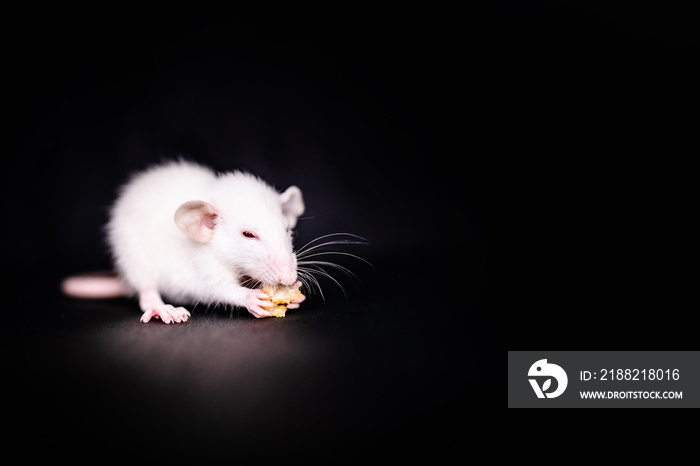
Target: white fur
point(152, 253)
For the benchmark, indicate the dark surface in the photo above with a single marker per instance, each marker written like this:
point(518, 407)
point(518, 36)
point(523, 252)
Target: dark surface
point(368, 377)
point(521, 187)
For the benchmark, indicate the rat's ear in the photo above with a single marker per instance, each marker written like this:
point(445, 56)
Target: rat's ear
point(197, 220)
point(292, 204)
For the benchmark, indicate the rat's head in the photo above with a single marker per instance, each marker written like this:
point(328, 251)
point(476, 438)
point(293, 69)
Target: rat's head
point(247, 226)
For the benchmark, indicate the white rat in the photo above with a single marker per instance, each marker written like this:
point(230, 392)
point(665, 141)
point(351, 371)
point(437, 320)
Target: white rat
point(182, 231)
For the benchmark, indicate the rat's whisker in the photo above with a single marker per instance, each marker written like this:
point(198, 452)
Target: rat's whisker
point(313, 272)
point(306, 256)
point(328, 236)
point(307, 273)
point(330, 277)
point(314, 280)
point(304, 279)
point(329, 243)
point(251, 282)
point(330, 264)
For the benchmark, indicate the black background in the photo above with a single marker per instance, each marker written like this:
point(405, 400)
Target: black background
point(599, 108)
point(527, 179)
point(352, 109)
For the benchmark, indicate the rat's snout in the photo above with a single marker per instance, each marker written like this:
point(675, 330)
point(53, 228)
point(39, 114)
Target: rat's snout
point(289, 280)
point(281, 263)
point(288, 275)
point(283, 272)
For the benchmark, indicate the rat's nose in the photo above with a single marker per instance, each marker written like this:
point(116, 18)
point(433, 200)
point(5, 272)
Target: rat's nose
point(287, 275)
point(288, 279)
point(284, 270)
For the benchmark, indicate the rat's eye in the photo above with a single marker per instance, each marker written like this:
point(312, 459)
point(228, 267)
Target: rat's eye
point(249, 234)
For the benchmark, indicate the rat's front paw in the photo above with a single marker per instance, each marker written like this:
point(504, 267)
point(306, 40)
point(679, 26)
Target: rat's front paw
point(295, 304)
point(166, 313)
point(255, 300)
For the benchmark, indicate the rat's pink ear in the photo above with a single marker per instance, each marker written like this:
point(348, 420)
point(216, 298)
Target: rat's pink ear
point(197, 220)
point(292, 204)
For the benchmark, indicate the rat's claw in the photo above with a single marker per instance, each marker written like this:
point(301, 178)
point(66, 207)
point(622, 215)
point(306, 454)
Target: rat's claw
point(167, 313)
point(259, 312)
point(184, 313)
point(260, 301)
point(295, 304)
point(255, 301)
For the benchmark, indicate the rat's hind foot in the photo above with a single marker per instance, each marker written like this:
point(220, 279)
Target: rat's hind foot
point(153, 306)
point(166, 313)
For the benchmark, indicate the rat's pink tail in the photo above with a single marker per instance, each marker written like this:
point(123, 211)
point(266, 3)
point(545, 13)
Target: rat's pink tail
point(94, 286)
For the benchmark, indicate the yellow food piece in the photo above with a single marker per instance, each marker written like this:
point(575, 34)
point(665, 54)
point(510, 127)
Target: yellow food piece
point(280, 296)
